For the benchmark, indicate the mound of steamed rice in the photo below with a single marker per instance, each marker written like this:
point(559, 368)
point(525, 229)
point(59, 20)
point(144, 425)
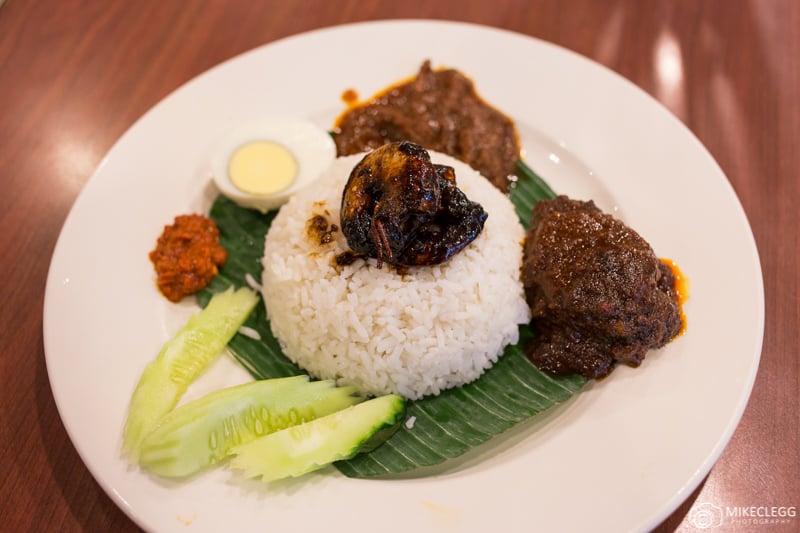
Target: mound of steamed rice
point(414, 334)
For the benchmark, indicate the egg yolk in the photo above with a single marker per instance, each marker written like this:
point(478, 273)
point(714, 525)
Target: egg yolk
point(262, 167)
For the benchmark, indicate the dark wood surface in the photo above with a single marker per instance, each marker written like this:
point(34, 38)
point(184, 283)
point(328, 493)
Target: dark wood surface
point(74, 75)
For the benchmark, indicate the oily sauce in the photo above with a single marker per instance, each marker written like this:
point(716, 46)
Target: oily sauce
point(350, 96)
point(319, 230)
point(187, 256)
point(681, 288)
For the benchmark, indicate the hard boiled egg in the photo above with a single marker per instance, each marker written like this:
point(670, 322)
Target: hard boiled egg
point(260, 164)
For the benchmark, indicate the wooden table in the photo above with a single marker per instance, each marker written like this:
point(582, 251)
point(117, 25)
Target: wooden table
point(74, 75)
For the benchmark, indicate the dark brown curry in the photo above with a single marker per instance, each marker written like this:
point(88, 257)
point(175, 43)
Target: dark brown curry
point(599, 296)
point(439, 110)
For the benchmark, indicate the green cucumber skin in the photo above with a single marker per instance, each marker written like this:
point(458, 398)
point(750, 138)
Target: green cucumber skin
point(164, 380)
point(201, 433)
point(306, 447)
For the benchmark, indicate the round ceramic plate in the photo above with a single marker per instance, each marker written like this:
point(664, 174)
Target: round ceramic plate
point(619, 456)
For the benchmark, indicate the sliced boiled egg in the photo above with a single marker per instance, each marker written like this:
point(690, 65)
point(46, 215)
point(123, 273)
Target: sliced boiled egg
point(260, 164)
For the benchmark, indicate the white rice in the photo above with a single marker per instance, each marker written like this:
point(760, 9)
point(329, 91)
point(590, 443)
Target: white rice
point(413, 334)
point(250, 332)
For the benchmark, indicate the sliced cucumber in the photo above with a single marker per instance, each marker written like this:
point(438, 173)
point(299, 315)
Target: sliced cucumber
point(300, 449)
point(201, 433)
point(181, 360)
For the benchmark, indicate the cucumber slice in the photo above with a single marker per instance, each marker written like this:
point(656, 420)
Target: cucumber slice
point(201, 433)
point(181, 360)
point(300, 449)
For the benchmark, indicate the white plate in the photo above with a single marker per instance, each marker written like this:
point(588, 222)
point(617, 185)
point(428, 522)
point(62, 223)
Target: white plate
point(619, 457)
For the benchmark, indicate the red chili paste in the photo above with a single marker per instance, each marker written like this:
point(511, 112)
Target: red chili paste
point(187, 256)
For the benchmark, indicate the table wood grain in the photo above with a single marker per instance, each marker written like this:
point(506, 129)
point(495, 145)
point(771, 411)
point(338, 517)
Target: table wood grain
point(74, 75)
